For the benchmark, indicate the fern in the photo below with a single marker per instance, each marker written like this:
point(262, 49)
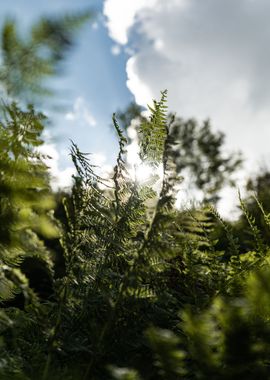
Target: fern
point(253, 227)
point(25, 192)
point(153, 133)
point(145, 293)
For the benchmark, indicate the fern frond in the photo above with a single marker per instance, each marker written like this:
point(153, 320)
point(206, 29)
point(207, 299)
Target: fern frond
point(153, 133)
point(233, 245)
point(253, 227)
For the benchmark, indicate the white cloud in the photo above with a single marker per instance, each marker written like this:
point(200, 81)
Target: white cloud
point(97, 159)
point(81, 113)
point(62, 178)
point(59, 178)
point(211, 55)
point(121, 15)
point(115, 50)
point(95, 25)
point(140, 90)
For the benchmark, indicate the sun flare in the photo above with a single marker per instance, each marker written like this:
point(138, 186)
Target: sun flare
point(142, 172)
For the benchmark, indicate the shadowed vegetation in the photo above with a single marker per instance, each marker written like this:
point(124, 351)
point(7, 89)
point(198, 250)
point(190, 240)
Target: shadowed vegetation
point(111, 280)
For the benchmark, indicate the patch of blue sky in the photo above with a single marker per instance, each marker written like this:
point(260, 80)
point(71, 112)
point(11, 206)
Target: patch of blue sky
point(93, 81)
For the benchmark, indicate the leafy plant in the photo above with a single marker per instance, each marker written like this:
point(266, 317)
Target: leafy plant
point(146, 290)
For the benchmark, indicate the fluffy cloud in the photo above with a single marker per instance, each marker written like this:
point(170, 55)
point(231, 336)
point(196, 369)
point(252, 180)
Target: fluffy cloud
point(211, 55)
point(121, 15)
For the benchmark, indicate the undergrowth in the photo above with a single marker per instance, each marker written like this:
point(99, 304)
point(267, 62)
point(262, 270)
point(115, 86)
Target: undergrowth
point(145, 292)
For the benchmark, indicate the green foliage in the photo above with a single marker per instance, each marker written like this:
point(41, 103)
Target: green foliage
point(153, 133)
point(197, 151)
point(200, 150)
point(28, 60)
point(146, 291)
point(26, 198)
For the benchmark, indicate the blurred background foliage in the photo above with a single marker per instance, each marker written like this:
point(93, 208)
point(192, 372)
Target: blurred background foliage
point(29, 59)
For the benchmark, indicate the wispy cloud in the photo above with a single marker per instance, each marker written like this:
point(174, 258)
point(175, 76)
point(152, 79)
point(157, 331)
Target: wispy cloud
point(81, 114)
point(121, 16)
point(116, 49)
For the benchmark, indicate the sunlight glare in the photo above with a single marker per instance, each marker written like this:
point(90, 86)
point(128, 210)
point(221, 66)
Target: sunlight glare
point(143, 172)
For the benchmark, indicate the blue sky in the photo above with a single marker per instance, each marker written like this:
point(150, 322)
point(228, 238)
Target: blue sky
point(94, 79)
